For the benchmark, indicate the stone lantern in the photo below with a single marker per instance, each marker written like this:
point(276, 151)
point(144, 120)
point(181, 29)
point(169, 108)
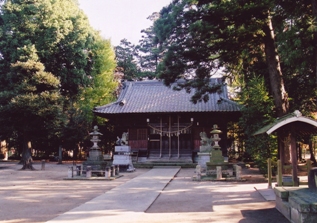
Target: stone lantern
point(95, 159)
point(216, 157)
point(215, 137)
point(95, 153)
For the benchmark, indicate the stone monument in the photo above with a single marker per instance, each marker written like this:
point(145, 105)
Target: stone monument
point(123, 154)
point(204, 150)
point(95, 159)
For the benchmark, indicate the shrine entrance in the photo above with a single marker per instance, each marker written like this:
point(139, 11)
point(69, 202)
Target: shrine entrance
point(170, 138)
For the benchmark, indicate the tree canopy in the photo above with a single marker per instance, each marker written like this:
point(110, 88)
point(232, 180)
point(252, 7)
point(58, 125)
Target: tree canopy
point(245, 40)
point(50, 54)
point(139, 61)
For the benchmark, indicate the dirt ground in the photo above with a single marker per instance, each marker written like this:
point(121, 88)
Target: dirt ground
point(38, 196)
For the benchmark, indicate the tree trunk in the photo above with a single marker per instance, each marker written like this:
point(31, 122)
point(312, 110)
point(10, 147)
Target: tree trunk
point(75, 153)
point(314, 11)
point(60, 154)
point(311, 151)
point(278, 91)
point(26, 157)
point(300, 152)
point(275, 73)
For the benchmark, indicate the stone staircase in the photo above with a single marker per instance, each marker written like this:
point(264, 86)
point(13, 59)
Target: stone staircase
point(185, 154)
point(184, 160)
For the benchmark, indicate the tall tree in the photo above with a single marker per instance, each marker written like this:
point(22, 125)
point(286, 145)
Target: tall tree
point(60, 33)
point(100, 92)
point(257, 110)
point(200, 36)
point(104, 83)
point(30, 104)
point(63, 40)
point(149, 54)
point(126, 56)
point(296, 28)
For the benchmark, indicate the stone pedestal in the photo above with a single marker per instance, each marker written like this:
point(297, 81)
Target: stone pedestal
point(107, 173)
point(219, 172)
point(203, 158)
point(88, 171)
point(95, 155)
point(95, 165)
point(70, 172)
point(123, 158)
point(206, 148)
point(238, 171)
point(95, 160)
point(216, 157)
point(312, 179)
point(198, 172)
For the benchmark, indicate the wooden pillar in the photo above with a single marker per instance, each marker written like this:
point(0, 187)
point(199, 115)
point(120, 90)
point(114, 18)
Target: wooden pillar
point(269, 173)
point(169, 136)
point(178, 133)
point(308, 166)
point(279, 174)
point(294, 159)
point(281, 146)
point(161, 133)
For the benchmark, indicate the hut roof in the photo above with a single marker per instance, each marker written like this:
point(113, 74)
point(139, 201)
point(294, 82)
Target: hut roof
point(292, 122)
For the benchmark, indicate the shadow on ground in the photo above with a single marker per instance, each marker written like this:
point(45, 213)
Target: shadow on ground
point(262, 216)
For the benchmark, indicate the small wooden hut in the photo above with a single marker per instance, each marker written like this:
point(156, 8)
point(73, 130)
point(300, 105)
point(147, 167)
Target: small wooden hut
point(291, 125)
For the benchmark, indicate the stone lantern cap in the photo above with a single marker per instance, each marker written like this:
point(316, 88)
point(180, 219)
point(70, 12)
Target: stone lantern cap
point(216, 130)
point(95, 132)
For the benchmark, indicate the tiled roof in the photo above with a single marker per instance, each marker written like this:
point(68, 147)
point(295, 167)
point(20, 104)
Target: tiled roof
point(155, 97)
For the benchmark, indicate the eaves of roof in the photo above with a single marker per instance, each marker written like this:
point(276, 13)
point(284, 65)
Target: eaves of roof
point(155, 97)
point(288, 120)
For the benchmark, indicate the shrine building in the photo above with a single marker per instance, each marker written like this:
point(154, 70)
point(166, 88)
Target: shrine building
point(163, 124)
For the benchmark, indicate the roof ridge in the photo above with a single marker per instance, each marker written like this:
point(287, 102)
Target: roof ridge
point(124, 99)
point(230, 101)
point(154, 96)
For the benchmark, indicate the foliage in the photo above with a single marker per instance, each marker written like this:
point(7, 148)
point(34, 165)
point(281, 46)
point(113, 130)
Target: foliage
point(59, 32)
point(126, 54)
point(149, 54)
point(298, 50)
point(30, 105)
point(53, 38)
point(140, 61)
point(258, 110)
point(247, 39)
point(80, 116)
point(103, 86)
point(201, 37)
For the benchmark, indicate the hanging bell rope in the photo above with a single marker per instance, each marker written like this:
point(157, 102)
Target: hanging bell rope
point(169, 133)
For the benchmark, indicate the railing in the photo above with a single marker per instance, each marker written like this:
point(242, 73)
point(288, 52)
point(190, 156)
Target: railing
point(78, 171)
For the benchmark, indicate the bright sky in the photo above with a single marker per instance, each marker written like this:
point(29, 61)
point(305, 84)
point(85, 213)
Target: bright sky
point(119, 19)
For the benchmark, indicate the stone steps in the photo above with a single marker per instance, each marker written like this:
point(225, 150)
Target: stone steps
point(155, 164)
